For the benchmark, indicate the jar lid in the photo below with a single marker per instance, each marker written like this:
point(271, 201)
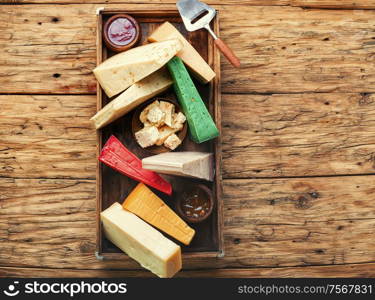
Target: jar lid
point(121, 32)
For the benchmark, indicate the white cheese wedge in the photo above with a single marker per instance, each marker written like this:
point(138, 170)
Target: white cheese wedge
point(141, 241)
point(122, 70)
point(201, 70)
point(138, 93)
point(188, 164)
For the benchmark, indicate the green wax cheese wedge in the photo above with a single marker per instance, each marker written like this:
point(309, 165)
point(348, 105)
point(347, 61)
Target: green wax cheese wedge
point(202, 127)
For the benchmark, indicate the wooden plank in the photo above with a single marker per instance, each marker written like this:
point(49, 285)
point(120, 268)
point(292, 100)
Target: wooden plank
point(335, 271)
point(226, 2)
point(286, 49)
point(287, 222)
point(263, 135)
point(349, 4)
point(267, 223)
point(43, 52)
point(47, 136)
point(298, 135)
point(352, 4)
point(51, 48)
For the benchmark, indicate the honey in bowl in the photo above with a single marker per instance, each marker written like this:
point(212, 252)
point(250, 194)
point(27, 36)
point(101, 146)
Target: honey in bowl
point(196, 205)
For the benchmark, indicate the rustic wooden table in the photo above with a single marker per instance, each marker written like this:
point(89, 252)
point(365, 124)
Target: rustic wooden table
point(298, 139)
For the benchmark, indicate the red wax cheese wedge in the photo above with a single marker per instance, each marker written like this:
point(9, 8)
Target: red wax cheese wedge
point(115, 155)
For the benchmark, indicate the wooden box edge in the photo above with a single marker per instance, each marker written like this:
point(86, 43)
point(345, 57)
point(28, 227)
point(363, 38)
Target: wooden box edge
point(214, 55)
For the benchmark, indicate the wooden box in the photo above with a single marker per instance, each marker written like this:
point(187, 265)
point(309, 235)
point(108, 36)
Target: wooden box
point(112, 186)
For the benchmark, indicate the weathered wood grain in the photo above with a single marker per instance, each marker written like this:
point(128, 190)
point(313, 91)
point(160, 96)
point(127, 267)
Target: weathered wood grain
point(43, 52)
point(47, 136)
point(226, 2)
point(295, 222)
point(287, 50)
point(350, 270)
point(307, 221)
point(51, 48)
point(352, 4)
point(268, 223)
point(263, 135)
point(298, 135)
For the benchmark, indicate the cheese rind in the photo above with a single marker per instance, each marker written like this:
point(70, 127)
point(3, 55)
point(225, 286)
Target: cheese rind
point(188, 164)
point(115, 155)
point(141, 241)
point(148, 206)
point(188, 54)
point(201, 125)
point(122, 70)
point(138, 93)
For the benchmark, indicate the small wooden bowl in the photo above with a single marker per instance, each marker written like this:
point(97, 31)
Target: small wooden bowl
point(138, 125)
point(120, 48)
point(208, 194)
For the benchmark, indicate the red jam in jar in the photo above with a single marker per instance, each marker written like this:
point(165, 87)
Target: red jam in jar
point(121, 32)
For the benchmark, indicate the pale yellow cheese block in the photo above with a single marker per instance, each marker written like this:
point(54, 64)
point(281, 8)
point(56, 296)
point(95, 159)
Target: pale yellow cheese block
point(148, 206)
point(188, 164)
point(188, 54)
point(138, 93)
point(141, 241)
point(122, 70)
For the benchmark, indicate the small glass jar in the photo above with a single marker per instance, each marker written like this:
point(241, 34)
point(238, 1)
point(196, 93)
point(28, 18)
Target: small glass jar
point(121, 32)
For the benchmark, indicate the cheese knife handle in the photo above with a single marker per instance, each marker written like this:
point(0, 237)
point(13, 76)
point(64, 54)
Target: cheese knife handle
point(228, 53)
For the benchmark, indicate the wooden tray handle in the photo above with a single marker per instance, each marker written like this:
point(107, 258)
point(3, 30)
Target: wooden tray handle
point(228, 53)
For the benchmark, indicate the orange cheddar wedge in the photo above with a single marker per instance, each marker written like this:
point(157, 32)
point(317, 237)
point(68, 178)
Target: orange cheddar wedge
point(149, 207)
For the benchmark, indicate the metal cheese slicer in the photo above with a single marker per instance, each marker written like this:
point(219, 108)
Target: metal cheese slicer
point(197, 15)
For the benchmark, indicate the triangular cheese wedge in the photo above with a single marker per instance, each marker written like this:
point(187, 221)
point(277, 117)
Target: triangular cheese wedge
point(141, 241)
point(122, 70)
point(201, 125)
point(138, 93)
point(115, 155)
point(188, 164)
point(188, 54)
point(148, 206)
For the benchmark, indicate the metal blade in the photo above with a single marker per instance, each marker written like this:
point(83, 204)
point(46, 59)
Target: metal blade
point(190, 9)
